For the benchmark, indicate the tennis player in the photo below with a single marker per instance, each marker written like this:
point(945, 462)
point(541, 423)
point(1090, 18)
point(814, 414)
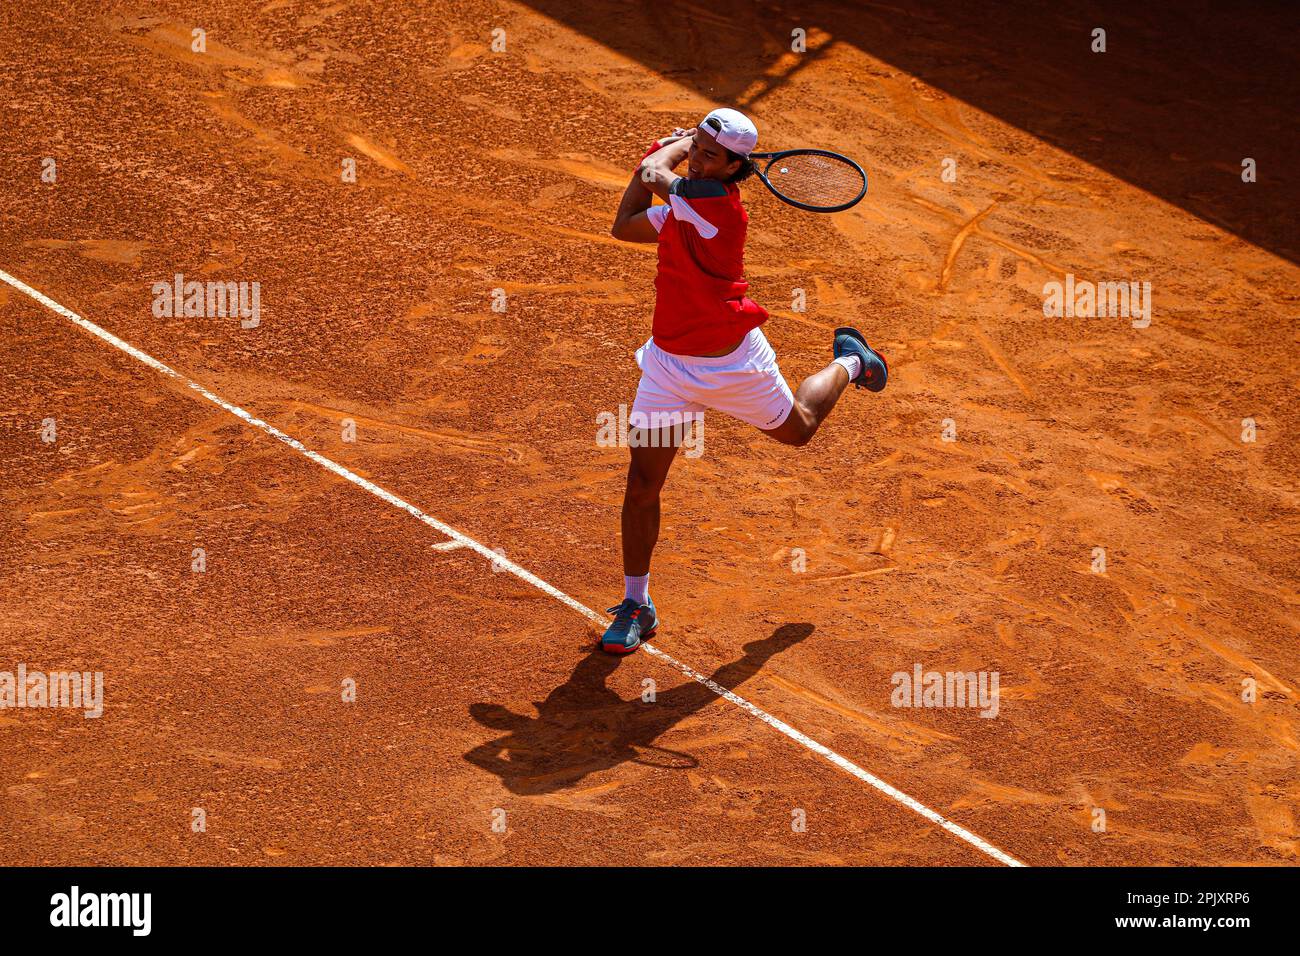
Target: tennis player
point(706, 349)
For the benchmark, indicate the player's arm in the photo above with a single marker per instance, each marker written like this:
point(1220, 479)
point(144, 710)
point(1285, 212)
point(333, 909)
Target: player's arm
point(657, 169)
point(633, 222)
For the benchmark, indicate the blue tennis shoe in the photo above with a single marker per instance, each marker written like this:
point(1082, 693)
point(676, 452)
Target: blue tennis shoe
point(632, 624)
point(874, 372)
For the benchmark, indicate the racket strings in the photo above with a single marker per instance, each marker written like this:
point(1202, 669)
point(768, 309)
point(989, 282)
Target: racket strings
point(816, 180)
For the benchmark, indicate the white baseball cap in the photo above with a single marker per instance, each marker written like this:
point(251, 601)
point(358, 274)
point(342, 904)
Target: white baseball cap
point(733, 129)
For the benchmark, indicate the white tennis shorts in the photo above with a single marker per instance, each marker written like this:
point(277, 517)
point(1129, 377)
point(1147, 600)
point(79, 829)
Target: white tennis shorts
point(745, 384)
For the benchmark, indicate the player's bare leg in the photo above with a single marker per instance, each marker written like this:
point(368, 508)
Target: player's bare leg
point(813, 401)
point(818, 393)
point(646, 474)
point(635, 619)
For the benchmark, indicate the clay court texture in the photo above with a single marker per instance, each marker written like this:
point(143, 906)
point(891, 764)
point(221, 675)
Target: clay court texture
point(341, 559)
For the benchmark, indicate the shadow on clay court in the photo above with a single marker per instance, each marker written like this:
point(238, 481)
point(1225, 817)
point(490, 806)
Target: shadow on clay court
point(1183, 93)
point(584, 727)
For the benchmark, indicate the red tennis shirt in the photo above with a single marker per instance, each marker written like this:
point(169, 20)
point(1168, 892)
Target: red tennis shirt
point(700, 303)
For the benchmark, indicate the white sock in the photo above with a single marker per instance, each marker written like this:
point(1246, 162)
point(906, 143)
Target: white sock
point(638, 589)
point(852, 364)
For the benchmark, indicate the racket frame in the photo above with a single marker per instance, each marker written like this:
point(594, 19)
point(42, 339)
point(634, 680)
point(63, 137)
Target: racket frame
point(773, 157)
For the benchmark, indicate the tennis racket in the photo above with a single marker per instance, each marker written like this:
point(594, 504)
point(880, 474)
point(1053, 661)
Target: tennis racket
point(813, 179)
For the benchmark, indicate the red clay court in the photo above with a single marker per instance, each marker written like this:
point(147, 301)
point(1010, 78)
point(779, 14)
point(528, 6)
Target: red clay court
point(485, 729)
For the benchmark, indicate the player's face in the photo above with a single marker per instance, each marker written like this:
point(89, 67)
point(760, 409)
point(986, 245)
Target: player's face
point(708, 159)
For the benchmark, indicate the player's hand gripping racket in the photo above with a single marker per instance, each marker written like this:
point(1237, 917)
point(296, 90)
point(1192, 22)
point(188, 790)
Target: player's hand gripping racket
point(813, 179)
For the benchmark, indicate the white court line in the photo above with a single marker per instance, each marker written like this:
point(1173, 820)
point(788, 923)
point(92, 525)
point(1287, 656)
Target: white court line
point(504, 564)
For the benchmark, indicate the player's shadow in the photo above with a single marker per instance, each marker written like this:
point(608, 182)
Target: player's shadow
point(584, 727)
